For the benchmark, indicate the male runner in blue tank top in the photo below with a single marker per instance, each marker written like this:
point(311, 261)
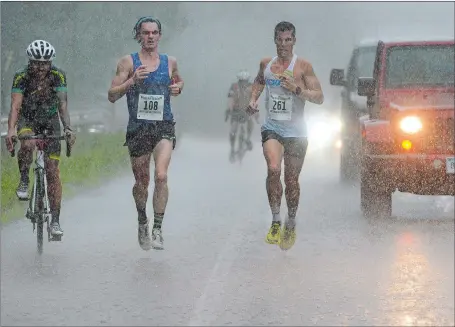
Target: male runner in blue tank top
point(289, 82)
point(148, 79)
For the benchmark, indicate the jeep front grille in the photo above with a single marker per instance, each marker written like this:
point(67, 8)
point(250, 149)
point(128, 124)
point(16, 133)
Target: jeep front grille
point(439, 137)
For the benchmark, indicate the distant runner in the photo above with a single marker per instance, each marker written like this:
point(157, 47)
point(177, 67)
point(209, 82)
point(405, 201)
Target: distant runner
point(148, 79)
point(289, 81)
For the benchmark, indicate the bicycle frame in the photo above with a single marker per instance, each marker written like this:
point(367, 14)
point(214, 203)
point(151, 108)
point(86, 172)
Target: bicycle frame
point(40, 184)
point(39, 209)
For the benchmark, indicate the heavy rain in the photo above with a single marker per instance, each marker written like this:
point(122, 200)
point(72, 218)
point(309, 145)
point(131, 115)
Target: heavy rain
point(370, 249)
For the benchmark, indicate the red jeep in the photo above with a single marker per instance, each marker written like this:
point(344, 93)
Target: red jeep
point(408, 135)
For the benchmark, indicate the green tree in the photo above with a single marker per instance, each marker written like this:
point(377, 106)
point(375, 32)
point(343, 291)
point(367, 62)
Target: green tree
point(89, 37)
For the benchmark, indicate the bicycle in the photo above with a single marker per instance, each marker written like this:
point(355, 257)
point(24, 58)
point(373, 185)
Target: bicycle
point(38, 210)
point(243, 146)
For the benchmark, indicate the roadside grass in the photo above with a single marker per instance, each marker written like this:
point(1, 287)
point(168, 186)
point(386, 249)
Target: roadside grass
point(94, 157)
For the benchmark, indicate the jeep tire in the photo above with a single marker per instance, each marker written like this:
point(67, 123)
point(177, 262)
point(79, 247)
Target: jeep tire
point(375, 199)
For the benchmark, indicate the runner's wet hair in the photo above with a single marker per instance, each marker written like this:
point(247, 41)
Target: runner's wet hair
point(145, 19)
point(284, 26)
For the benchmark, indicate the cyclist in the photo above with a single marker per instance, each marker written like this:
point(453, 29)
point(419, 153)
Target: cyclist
point(38, 100)
point(238, 99)
point(148, 79)
point(289, 81)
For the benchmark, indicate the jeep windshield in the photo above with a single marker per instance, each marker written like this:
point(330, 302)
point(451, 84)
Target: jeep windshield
point(365, 63)
point(417, 66)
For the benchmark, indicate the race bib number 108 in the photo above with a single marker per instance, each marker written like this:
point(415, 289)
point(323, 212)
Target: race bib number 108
point(150, 107)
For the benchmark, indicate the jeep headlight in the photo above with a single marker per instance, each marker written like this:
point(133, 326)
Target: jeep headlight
point(411, 124)
point(319, 130)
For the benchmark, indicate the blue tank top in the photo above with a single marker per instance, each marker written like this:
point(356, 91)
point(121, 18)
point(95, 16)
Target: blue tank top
point(150, 101)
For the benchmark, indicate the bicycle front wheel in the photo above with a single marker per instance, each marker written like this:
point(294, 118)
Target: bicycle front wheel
point(242, 146)
point(39, 211)
point(39, 235)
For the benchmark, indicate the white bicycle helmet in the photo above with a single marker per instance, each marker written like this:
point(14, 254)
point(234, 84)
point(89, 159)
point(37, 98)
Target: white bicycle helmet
point(243, 75)
point(40, 50)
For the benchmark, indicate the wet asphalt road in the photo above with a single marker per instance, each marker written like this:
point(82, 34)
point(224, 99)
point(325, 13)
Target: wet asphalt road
point(216, 268)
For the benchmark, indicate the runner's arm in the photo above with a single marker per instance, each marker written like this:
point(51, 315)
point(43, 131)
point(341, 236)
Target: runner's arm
point(256, 115)
point(259, 81)
point(313, 90)
point(17, 96)
point(121, 82)
point(175, 76)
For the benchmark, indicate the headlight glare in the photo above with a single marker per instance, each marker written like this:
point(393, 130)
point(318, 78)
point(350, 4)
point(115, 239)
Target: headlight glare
point(411, 124)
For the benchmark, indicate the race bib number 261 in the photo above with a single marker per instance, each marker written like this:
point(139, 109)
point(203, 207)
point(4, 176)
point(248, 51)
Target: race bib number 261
point(280, 107)
point(150, 107)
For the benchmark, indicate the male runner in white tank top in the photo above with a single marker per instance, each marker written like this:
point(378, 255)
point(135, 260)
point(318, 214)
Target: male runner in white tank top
point(289, 82)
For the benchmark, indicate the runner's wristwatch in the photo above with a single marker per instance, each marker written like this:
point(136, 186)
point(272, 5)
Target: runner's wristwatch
point(298, 90)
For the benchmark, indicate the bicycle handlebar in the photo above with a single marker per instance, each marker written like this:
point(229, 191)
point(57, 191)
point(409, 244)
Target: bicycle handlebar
point(42, 137)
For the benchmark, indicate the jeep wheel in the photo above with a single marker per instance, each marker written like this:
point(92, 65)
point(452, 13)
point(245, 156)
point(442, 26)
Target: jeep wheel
point(374, 200)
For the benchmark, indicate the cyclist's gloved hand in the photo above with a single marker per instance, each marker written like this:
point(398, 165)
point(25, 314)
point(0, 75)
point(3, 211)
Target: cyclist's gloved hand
point(70, 135)
point(10, 139)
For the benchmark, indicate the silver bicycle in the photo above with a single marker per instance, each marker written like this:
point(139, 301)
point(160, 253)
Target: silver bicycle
point(38, 210)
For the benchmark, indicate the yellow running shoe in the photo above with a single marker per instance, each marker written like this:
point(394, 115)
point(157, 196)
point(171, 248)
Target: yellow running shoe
point(287, 239)
point(273, 236)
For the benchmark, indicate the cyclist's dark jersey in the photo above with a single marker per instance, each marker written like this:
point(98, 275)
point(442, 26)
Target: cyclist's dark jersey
point(240, 95)
point(39, 105)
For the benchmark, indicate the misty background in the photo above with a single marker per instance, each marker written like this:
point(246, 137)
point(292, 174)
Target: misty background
point(211, 42)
